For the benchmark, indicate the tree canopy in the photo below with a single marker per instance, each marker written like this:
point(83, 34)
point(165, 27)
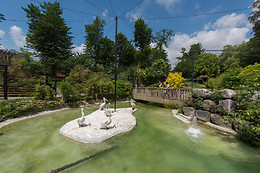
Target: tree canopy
point(49, 35)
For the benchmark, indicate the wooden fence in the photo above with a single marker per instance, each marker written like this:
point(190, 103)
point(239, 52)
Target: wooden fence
point(17, 91)
point(169, 96)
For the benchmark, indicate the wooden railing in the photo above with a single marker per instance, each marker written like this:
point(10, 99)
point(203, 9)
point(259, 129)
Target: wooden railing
point(167, 96)
point(17, 91)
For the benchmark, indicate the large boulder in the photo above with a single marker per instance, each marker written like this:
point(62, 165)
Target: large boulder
point(228, 106)
point(209, 105)
point(203, 115)
point(204, 93)
point(228, 94)
point(218, 120)
point(189, 111)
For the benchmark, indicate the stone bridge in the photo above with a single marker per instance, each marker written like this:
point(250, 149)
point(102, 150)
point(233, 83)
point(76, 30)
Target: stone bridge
point(169, 96)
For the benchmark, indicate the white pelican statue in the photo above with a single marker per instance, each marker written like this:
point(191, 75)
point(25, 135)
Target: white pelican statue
point(106, 123)
point(132, 104)
point(103, 104)
point(108, 111)
point(82, 119)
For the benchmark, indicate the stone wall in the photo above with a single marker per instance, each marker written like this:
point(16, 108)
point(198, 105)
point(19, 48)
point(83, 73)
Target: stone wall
point(210, 106)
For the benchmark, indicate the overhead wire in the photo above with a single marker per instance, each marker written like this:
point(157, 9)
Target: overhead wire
point(112, 7)
point(97, 7)
point(131, 8)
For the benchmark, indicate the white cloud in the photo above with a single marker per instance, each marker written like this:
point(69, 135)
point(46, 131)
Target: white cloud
point(17, 36)
point(167, 3)
point(104, 14)
point(2, 33)
point(227, 30)
point(78, 49)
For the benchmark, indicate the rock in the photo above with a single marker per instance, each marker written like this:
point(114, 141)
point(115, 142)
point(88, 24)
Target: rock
point(228, 106)
point(189, 111)
point(229, 94)
point(203, 115)
point(235, 126)
point(204, 93)
point(218, 120)
point(1, 133)
point(209, 105)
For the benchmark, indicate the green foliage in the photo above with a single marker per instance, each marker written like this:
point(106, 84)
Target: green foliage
point(49, 35)
point(230, 78)
point(125, 50)
point(216, 96)
point(19, 107)
point(157, 72)
point(185, 62)
point(248, 135)
point(250, 76)
point(66, 91)
point(142, 34)
point(44, 92)
point(123, 89)
point(214, 83)
point(207, 64)
point(163, 38)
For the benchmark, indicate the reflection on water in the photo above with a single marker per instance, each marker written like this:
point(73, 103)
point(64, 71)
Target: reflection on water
point(159, 143)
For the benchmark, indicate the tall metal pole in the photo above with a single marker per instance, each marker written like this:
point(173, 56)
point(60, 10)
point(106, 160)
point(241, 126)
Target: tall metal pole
point(115, 61)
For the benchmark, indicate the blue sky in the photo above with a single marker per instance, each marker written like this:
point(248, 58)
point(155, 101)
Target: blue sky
point(225, 21)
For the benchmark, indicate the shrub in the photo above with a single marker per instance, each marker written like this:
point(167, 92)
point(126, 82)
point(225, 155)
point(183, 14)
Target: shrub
point(44, 92)
point(214, 83)
point(175, 80)
point(230, 78)
point(248, 135)
point(124, 89)
point(66, 91)
point(250, 76)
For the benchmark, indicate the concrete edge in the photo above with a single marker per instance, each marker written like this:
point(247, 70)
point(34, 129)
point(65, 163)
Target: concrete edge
point(187, 120)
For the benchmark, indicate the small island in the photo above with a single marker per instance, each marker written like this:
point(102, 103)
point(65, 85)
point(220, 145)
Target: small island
point(122, 121)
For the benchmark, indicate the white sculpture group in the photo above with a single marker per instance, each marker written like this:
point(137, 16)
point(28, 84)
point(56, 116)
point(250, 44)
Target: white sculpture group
point(108, 113)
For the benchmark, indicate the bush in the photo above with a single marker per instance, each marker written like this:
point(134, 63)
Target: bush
point(124, 89)
point(44, 92)
point(175, 80)
point(230, 78)
point(248, 135)
point(66, 91)
point(214, 83)
point(250, 76)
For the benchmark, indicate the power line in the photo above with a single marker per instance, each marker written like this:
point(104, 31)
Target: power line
point(196, 15)
point(75, 11)
point(112, 7)
point(97, 7)
point(131, 8)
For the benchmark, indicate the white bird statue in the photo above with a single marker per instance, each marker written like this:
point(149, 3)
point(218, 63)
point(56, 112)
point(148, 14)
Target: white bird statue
point(106, 123)
point(108, 111)
point(82, 119)
point(132, 104)
point(103, 104)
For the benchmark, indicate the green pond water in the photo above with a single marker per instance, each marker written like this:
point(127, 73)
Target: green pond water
point(158, 143)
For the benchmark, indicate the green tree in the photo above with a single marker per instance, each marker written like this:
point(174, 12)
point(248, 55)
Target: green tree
point(163, 38)
point(94, 33)
point(255, 41)
point(207, 64)
point(158, 71)
point(125, 51)
point(49, 35)
point(185, 62)
point(142, 34)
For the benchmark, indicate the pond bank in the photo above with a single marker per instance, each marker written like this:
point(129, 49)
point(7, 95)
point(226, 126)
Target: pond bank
point(187, 120)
